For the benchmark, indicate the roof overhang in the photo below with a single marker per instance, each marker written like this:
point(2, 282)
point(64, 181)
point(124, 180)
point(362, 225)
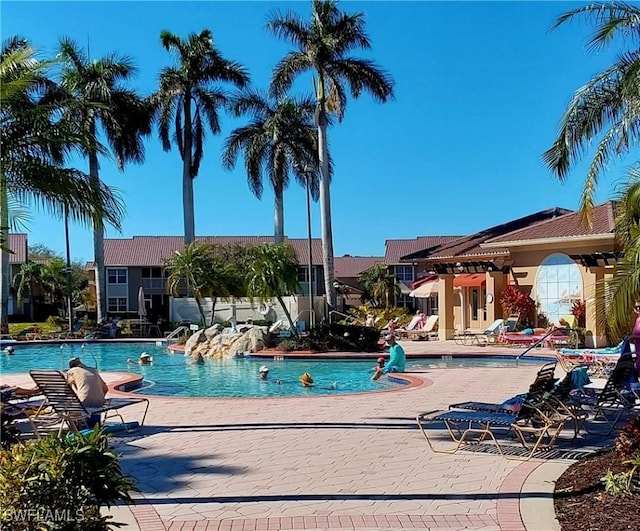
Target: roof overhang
point(573, 240)
point(456, 268)
point(596, 259)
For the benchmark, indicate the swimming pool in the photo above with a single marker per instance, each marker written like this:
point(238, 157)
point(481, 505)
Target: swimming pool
point(173, 374)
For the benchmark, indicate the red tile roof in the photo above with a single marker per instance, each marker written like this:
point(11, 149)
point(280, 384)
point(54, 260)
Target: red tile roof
point(151, 251)
point(353, 266)
point(468, 246)
point(566, 226)
point(394, 249)
point(18, 244)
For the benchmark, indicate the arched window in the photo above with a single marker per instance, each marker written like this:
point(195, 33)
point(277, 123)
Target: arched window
point(558, 285)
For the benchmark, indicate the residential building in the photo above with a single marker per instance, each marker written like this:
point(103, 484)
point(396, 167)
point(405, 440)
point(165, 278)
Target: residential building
point(549, 254)
point(131, 263)
point(406, 272)
point(348, 270)
point(17, 242)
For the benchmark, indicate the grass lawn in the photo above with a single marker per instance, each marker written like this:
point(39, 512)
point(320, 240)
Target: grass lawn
point(45, 327)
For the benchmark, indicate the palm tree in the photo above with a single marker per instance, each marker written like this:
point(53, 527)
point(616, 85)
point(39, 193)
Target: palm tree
point(94, 96)
point(607, 111)
point(323, 45)
point(273, 272)
point(623, 290)
point(25, 282)
point(35, 144)
point(607, 108)
point(188, 95)
point(378, 286)
point(279, 140)
point(197, 269)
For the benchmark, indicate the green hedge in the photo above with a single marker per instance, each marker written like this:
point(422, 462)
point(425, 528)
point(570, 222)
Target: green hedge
point(337, 337)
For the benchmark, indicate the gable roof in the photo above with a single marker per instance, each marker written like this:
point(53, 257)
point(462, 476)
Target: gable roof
point(353, 266)
point(17, 242)
point(566, 226)
point(152, 251)
point(395, 249)
point(471, 245)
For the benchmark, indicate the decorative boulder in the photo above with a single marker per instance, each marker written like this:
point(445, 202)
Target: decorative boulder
point(253, 340)
point(214, 342)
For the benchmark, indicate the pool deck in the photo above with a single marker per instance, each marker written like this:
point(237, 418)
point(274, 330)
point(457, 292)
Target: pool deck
point(333, 462)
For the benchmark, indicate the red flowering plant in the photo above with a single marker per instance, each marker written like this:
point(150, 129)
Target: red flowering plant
point(628, 441)
point(579, 311)
point(515, 301)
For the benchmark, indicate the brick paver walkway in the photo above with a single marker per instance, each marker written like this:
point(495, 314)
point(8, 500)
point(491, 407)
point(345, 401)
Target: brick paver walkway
point(326, 462)
point(349, 462)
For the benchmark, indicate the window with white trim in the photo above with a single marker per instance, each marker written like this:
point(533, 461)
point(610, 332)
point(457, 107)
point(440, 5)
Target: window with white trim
point(404, 273)
point(116, 275)
point(117, 304)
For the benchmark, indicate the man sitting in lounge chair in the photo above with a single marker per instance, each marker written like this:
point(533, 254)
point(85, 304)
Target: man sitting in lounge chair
point(88, 385)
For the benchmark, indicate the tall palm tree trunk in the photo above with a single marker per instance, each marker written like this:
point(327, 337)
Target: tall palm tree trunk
point(98, 247)
point(4, 262)
point(32, 310)
point(201, 311)
point(187, 181)
point(325, 211)
point(278, 216)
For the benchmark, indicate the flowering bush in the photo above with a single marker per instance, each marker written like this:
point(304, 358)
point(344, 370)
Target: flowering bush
point(579, 311)
point(515, 301)
point(628, 441)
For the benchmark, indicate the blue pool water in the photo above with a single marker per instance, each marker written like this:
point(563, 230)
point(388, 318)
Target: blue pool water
point(174, 375)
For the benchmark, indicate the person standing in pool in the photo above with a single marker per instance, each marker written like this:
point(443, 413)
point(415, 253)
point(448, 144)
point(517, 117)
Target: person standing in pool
point(397, 358)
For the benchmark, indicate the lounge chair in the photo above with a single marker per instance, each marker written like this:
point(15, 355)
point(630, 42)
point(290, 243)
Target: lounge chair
point(543, 383)
point(533, 419)
point(560, 398)
point(74, 332)
point(615, 396)
point(480, 337)
point(428, 330)
point(511, 323)
point(66, 406)
point(621, 347)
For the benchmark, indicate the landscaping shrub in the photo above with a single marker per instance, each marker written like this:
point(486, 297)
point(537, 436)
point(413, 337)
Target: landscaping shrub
point(628, 446)
point(628, 440)
point(335, 336)
point(60, 484)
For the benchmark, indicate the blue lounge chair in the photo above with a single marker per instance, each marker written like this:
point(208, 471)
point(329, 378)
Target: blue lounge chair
point(533, 419)
point(543, 383)
point(619, 349)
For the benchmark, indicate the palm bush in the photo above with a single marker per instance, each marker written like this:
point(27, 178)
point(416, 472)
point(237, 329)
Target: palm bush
point(60, 484)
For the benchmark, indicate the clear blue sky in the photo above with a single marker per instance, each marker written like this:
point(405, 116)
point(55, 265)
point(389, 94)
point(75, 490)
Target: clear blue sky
point(480, 88)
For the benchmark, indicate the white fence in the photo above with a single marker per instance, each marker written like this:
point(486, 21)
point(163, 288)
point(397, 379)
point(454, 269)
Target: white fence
point(185, 308)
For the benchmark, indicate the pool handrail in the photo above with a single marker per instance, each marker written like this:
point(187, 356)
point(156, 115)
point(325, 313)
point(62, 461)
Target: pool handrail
point(178, 332)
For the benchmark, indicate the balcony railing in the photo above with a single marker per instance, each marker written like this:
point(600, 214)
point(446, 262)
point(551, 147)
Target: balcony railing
point(153, 283)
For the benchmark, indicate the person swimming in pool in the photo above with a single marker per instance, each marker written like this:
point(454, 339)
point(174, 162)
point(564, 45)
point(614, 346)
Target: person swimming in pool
point(306, 380)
